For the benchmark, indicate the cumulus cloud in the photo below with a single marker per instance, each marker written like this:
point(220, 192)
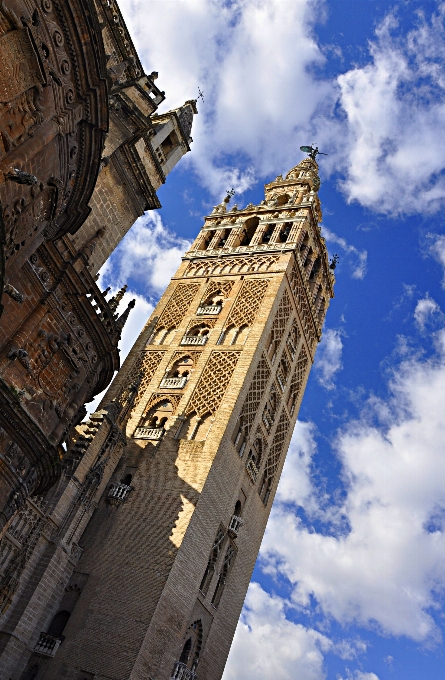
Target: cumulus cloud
point(437, 249)
point(148, 255)
point(328, 357)
point(267, 645)
point(255, 62)
point(424, 310)
point(394, 106)
point(357, 258)
point(380, 560)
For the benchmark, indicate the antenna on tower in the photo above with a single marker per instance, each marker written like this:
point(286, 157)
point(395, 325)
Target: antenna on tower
point(312, 151)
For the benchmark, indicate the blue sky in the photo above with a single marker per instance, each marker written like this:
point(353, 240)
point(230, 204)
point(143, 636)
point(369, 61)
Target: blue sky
point(353, 589)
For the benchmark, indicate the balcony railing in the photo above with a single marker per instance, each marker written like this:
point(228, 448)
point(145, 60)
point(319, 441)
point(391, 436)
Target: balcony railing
point(181, 672)
point(209, 309)
point(234, 525)
point(47, 645)
point(148, 433)
point(118, 492)
point(252, 470)
point(194, 340)
point(175, 383)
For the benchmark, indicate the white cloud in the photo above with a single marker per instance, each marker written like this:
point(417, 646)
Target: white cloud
point(328, 357)
point(358, 257)
point(394, 107)
point(269, 646)
point(380, 559)
point(437, 249)
point(424, 310)
point(295, 486)
point(253, 60)
point(149, 254)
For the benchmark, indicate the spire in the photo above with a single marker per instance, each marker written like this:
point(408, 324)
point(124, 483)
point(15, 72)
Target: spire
point(114, 302)
point(120, 323)
point(185, 116)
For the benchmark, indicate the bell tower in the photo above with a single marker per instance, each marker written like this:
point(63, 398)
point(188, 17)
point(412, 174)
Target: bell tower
point(215, 383)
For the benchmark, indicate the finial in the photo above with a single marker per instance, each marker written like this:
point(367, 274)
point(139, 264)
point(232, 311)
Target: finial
point(120, 323)
point(114, 302)
point(312, 151)
point(106, 291)
point(333, 263)
point(200, 94)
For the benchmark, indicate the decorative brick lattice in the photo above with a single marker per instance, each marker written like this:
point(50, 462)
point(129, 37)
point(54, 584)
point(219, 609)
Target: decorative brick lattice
point(231, 265)
point(224, 286)
point(146, 364)
point(280, 322)
point(247, 303)
point(178, 305)
point(276, 450)
point(255, 394)
point(213, 383)
point(297, 379)
point(303, 306)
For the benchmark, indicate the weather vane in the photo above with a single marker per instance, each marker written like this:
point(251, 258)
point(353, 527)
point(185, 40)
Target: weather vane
point(200, 94)
point(229, 195)
point(312, 151)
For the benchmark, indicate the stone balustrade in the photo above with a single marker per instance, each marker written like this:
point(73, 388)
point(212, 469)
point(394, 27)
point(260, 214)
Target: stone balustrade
point(234, 525)
point(148, 433)
point(175, 383)
point(118, 492)
point(209, 309)
point(182, 672)
point(47, 645)
point(194, 340)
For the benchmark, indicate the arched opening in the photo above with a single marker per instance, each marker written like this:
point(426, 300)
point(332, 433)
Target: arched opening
point(185, 654)
point(203, 428)
point(238, 509)
point(240, 439)
point(223, 236)
point(207, 578)
point(249, 230)
point(57, 625)
point(222, 581)
point(265, 489)
point(206, 239)
point(126, 480)
point(242, 335)
point(157, 417)
point(284, 232)
point(230, 335)
point(282, 199)
point(267, 234)
point(304, 247)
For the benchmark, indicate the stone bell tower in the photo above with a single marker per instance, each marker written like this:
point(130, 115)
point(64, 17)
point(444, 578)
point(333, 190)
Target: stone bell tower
point(215, 383)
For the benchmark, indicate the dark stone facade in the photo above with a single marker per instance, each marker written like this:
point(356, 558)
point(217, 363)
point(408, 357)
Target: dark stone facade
point(77, 167)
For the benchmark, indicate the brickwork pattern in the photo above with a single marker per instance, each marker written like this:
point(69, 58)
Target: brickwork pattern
point(213, 286)
point(232, 265)
point(213, 383)
point(276, 450)
point(178, 305)
point(255, 394)
point(248, 303)
point(147, 365)
point(282, 317)
point(303, 306)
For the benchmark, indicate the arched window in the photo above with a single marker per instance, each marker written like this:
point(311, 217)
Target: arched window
point(213, 558)
point(315, 269)
point(126, 480)
point(267, 234)
point(284, 232)
point(158, 415)
point(265, 489)
point(249, 229)
point(205, 241)
point(223, 236)
point(57, 625)
point(185, 654)
point(238, 509)
point(240, 439)
point(225, 571)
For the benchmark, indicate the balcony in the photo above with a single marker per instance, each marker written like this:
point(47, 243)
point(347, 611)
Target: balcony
point(194, 340)
point(234, 525)
point(252, 470)
point(175, 383)
point(209, 309)
point(47, 645)
point(117, 493)
point(181, 672)
point(148, 433)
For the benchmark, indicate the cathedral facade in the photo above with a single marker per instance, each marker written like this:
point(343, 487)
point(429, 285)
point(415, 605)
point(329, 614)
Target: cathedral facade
point(82, 152)
point(151, 533)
